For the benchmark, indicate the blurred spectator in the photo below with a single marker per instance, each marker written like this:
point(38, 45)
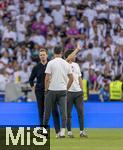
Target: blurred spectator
point(9, 33)
point(58, 15)
point(24, 74)
point(3, 79)
point(35, 52)
point(23, 55)
point(21, 29)
point(104, 93)
point(25, 26)
point(40, 26)
point(93, 79)
point(37, 38)
point(72, 30)
point(16, 75)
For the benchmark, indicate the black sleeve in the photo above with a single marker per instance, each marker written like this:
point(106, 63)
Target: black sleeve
point(32, 76)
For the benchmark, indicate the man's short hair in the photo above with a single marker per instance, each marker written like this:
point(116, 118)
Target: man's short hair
point(58, 50)
point(43, 50)
point(68, 52)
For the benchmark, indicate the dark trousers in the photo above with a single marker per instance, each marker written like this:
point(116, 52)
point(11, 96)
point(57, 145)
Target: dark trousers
point(75, 98)
point(52, 100)
point(40, 102)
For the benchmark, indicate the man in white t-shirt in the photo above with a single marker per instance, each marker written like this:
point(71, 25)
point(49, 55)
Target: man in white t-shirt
point(57, 81)
point(74, 97)
point(21, 29)
point(9, 33)
point(37, 38)
point(58, 15)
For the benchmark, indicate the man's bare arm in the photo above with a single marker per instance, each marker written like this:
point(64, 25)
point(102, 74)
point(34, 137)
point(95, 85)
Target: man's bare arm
point(80, 83)
point(47, 81)
point(73, 54)
point(70, 76)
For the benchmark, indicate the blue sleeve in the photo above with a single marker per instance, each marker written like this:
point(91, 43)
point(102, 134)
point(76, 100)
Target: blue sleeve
point(101, 91)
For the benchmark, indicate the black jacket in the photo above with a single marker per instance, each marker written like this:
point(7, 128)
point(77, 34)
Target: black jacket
point(38, 73)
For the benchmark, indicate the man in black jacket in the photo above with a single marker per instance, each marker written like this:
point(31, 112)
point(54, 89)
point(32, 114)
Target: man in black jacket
point(38, 73)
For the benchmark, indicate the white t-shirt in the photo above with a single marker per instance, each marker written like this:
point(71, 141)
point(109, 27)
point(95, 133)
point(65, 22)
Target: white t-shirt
point(90, 13)
point(24, 75)
point(59, 70)
point(26, 17)
point(5, 60)
point(119, 41)
point(96, 52)
point(29, 7)
point(47, 19)
point(46, 3)
point(10, 34)
point(102, 7)
point(113, 16)
point(38, 39)
point(75, 87)
point(20, 27)
point(85, 69)
point(58, 16)
point(51, 42)
point(55, 2)
point(69, 2)
point(21, 31)
point(3, 82)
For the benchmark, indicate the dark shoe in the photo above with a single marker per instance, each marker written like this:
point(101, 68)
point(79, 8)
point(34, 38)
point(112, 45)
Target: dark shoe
point(70, 135)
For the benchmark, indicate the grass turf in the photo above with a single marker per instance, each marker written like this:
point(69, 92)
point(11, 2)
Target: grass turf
point(98, 139)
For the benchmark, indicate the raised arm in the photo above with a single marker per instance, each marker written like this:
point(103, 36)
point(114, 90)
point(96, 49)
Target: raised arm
point(73, 54)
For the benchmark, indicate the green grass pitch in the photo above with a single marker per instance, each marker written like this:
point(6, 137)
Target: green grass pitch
point(98, 139)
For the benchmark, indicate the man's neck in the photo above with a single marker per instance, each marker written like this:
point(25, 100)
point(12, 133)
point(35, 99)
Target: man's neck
point(57, 56)
point(43, 62)
point(70, 62)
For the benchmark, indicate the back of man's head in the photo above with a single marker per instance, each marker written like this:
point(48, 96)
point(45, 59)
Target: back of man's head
point(58, 50)
point(67, 53)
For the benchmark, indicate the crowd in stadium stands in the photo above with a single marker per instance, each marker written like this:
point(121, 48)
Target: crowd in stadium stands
point(28, 25)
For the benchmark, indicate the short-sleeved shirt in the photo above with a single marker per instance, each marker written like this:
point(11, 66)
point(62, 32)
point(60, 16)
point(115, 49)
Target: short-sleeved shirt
point(75, 87)
point(59, 70)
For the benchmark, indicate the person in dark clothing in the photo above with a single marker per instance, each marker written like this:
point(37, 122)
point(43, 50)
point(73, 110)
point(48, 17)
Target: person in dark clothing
point(38, 73)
